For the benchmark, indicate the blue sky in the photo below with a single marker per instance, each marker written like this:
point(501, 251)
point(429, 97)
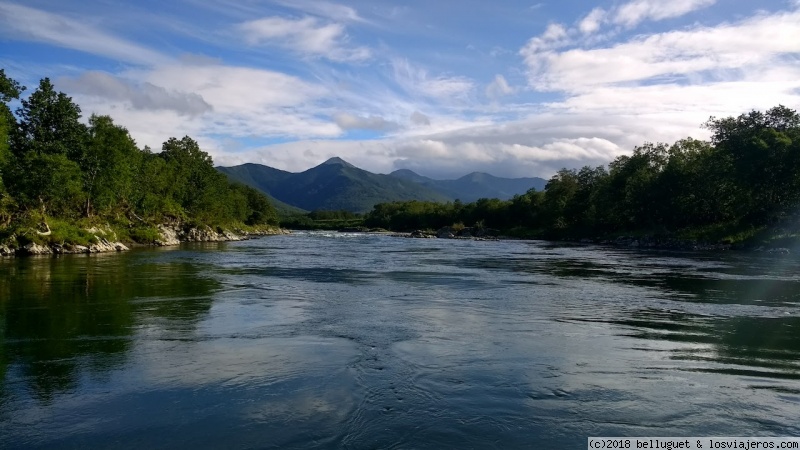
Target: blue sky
point(444, 88)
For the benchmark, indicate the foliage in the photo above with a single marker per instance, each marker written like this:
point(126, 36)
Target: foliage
point(742, 184)
point(744, 181)
point(55, 167)
point(322, 220)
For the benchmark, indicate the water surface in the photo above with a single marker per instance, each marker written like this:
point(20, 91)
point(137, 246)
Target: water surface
point(335, 340)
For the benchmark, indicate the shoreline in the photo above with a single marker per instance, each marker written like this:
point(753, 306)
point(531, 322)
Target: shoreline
point(168, 236)
point(631, 242)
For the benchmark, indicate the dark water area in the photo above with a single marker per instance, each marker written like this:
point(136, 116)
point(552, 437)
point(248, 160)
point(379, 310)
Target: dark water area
point(331, 340)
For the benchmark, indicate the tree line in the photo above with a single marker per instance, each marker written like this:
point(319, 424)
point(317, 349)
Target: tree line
point(52, 165)
point(744, 179)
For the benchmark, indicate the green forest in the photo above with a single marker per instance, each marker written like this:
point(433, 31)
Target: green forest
point(63, 175)
point(741, 185)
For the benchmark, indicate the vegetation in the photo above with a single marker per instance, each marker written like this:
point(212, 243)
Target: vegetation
point(322, 220)
point(56, 171)
point(475, 185)
point(333, 185)
point(338, 185)
point(743, 184)
point(60, 176)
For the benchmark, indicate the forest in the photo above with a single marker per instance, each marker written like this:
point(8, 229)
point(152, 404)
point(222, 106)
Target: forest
point(741, 185)
point(61, 175)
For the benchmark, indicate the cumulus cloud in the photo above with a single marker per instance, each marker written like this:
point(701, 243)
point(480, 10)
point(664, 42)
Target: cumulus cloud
point(498, 88)
point(416, 81)
point(307, 36)
point(144, 96)
point(538, 146)
point(632, 13)
point(23, 22)
point(347, 121)
point(247, 103)
point(417, 118)
point(592, 22)
point(751, 43)
point(554, 36)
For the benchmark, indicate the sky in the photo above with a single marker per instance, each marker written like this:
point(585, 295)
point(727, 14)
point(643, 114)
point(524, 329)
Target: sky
point(444, 88)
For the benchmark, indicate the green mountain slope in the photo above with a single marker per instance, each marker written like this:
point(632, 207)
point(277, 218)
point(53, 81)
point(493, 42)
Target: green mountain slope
point(336, 184)
point(475, 185)
point(263, 178)
point(333, 185)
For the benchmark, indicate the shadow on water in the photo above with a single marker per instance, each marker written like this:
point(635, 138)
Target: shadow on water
point(312, 274)
point(68, 317)
point(684, 278)
point(729, 314)
point(764, 347)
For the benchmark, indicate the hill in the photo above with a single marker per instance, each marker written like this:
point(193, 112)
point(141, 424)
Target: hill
point(263, 178)
point(475, 185)
point(332, 185)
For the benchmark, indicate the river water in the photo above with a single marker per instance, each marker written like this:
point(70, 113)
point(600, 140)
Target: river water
point(333, 340)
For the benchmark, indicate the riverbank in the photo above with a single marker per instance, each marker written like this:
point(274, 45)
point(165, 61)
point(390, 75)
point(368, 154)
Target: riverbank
point(106, 239)
point(784, 246)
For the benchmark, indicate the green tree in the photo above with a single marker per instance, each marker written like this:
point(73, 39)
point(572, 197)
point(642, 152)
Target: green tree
point(259, 209)
point(9, 90)
point(109, 167)
point(153, 194)
point(762, 152)
point(46, 145)
point(49, 123)
point(48, 183)
point(559, 191)
point(526, 209)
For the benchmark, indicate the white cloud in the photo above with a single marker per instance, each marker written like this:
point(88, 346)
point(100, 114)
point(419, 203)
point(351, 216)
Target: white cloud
point(534, 147)
point(537, 48)
point(417, 81)
point(144, 96)
point(498, 88)
point(632, 13)
point(246, 103)
point(332, 11)
point(25, 23)
point(417, 118)
point(347, 121)
point(750, 43)
point(307, 36)
point(592, 22)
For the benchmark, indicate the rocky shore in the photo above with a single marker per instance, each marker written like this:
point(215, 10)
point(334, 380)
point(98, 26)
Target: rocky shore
point(467, 233)
point(105, 240)
point(642, 242)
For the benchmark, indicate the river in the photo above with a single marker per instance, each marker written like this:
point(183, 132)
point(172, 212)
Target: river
point(336, 340)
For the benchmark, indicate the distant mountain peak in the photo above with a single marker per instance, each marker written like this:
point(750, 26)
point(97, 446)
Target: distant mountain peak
point(337, 161)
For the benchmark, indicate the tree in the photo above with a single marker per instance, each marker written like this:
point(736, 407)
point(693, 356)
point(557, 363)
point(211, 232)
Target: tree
point(50, 124)
point(559, 191)
point(109, 166)
point(47, 143)
point(48, 183)
point(762, 152)
point(9, 90)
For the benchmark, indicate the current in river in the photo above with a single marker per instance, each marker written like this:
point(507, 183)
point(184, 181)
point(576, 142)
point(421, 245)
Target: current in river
point(360, 341)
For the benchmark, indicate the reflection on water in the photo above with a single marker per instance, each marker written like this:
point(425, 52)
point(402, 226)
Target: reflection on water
point(347, 340)
point(64, 318)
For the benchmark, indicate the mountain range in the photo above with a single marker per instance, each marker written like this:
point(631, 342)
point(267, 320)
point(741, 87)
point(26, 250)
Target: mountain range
point(339, 185)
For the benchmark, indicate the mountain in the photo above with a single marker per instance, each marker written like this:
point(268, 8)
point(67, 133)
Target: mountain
point(337, 184)
point(263, 178)
point(332, 185)
point(475, 185)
